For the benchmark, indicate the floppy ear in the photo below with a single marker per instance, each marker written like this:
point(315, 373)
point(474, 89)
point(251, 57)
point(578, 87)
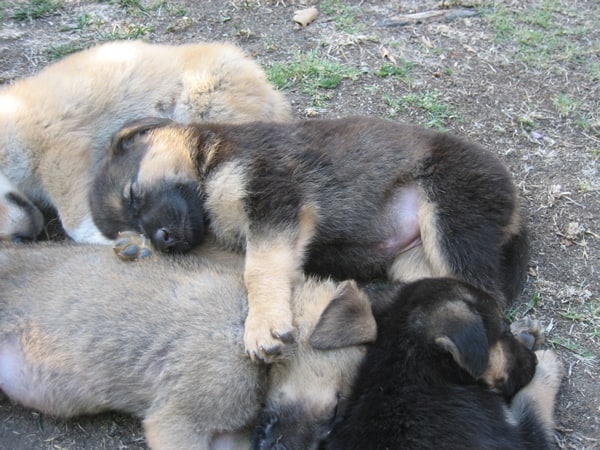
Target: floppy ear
point(467, 343)
point(121, 140)
point(346, 321)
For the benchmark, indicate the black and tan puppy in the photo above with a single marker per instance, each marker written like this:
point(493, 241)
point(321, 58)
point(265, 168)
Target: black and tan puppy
point(358, 198)
point(83, 332)
point(445, 372)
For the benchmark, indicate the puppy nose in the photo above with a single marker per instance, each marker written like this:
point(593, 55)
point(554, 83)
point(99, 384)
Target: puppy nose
point(162, 239)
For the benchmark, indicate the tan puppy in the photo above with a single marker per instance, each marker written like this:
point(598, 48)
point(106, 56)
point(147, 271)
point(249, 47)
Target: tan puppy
point(82, 332)
point(55, 126)
point(358, 197)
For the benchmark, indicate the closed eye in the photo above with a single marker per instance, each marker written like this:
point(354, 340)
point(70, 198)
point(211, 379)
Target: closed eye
point(132, 195)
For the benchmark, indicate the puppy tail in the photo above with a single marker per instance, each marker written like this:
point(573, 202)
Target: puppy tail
point(533, 406)
point(513, 265)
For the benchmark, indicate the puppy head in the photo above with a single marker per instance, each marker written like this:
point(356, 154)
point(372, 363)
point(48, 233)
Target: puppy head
point(464, 332)
point(20, 220)
point(309, 386)
point(148, 183)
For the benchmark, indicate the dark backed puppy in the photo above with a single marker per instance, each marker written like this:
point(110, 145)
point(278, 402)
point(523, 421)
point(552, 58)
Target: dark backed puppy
point(426, 381)
point(355, 198)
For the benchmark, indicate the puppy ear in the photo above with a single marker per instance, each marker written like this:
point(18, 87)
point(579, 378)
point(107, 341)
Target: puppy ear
point(346, 321)
point(467, 342)
point(122, 139)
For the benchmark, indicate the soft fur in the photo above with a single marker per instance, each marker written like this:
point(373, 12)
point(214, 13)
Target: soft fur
point(19, 218)
point(55, 126)
point(82, 332)
point(358, 198)
point(426, 382)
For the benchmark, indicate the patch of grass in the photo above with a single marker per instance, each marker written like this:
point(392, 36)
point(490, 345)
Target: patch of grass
point(312, 74)
point(594, 70)
point(533, 29)
point(133, 31)
point(565, 104)
point(343, 16)
point(402, 70)
point(437, 111)
point(83, 21)
point(175, 10)
point(35, 9)
point(527, 122)
point(132, 4)
point(57, 52)
point(569, 344)
point(584, 186)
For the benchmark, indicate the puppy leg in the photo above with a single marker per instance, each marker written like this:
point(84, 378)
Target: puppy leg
point(273, 265)
point(533, 406)
point(425, 260)
point(270, 272)
point(171, 428)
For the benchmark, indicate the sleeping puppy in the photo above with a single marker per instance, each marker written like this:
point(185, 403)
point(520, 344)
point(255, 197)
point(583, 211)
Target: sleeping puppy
point(446, 372)
point(55, 126)
point(82, 332)
point(358, 198)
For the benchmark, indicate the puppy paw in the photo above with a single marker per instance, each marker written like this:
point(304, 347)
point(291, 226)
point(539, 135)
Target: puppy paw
point(527, 331)
point(131, 245)
point(265, 337)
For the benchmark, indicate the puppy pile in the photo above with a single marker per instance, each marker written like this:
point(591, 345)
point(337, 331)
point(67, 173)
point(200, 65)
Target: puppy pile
point(342, 284)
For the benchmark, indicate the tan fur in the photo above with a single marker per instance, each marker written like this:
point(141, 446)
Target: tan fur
point(87, 332)
point(540, 394)
point(55, 126)
point(168, 161)
point(496, 374)
point(230, 205)
point(272, 268)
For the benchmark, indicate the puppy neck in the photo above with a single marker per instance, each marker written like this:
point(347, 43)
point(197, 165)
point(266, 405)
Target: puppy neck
point(212, 148)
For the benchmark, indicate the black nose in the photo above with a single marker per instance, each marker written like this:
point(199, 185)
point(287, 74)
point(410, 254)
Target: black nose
point(163, 239)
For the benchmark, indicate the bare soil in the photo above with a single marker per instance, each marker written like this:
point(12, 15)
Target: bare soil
point(536, 102)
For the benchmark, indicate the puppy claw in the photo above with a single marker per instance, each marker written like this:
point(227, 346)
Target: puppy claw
point(264, 342)
point(287, 338)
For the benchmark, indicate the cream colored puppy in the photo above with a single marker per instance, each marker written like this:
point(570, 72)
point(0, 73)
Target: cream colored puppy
point(55, 126)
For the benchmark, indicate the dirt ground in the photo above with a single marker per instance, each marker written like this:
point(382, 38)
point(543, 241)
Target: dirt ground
point(520, 77)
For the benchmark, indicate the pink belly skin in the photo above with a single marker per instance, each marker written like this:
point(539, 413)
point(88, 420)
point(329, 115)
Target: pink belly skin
point(401, 222)
point(12, 372)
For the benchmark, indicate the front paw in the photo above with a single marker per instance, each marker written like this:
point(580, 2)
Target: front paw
point(527, 331)
point(131, 245)
point(265, 337)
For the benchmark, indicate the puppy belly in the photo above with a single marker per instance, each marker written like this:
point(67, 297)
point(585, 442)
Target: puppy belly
point(87, 232)
point(15, 378)
point(402, 227)
point(29, 385)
